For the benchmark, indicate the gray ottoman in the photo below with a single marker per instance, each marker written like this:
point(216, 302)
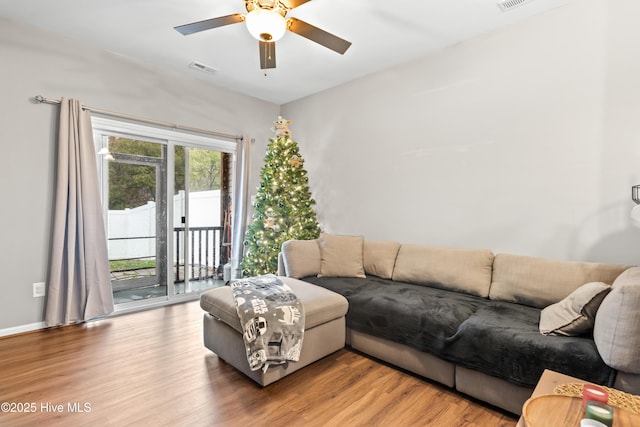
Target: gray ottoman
point(324, 328)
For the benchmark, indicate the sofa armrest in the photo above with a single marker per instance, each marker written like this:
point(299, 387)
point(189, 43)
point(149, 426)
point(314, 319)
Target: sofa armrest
point(300, 258)
point(281, 270)
point(617, 326)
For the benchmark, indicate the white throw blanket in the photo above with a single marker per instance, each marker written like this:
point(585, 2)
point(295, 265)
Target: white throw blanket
point(272, 319)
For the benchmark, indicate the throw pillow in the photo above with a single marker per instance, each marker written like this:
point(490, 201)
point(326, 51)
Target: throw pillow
point(575, 314)
point(301, 258)
point(341, 256)
point(618, 322)
point(380, 257)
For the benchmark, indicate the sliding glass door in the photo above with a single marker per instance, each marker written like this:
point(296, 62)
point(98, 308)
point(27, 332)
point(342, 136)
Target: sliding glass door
point(167, 205)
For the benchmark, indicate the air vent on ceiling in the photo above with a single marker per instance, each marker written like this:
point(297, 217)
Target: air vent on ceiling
point(202, 67)
point(506, 5)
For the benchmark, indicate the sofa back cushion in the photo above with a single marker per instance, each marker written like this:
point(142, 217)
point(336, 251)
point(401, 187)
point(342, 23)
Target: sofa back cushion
point(380, 257)
point(617, 328)
point(539, 282)
point(301, 258)
point(462, 270)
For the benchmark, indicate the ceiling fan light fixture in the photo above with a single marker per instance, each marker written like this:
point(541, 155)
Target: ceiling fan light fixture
point(266, 24)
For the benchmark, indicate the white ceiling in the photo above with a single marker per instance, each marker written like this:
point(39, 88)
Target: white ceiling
point(384, 33)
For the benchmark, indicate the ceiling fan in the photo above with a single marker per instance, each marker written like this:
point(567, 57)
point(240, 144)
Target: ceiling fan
point(266, 22)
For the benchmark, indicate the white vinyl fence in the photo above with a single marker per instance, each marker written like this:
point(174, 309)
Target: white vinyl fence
point(135, 228)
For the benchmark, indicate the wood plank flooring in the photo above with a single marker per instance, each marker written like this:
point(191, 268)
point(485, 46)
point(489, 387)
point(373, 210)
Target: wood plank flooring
point(151, 368)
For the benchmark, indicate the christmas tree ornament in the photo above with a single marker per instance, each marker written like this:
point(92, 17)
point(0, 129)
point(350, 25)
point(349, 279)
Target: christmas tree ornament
point(295, 161)
point(281, 127)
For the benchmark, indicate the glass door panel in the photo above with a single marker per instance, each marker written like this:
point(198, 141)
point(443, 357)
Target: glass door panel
point(136, 219)
point(198, 219)
point(204, 220)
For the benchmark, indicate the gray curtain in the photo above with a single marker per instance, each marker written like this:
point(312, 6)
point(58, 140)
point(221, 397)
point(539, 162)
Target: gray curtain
point(79, 280)
point(241, 194)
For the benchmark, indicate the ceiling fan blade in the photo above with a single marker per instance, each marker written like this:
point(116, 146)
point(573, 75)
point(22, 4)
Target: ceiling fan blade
point(208, 24)
point(292, 4)
point(317, 35)
point(267, 55)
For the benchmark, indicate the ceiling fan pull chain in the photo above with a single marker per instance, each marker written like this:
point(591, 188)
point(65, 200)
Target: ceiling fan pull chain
point(265, 55)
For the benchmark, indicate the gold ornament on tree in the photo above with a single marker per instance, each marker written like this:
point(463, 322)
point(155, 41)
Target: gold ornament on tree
point(295, 161)
point(270, 223)
point(270, 220)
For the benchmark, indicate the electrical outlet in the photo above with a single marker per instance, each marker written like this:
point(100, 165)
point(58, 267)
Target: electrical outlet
point(39, 289)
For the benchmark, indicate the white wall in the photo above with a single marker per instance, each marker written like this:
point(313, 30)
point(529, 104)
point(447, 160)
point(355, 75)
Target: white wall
point(36, 63)
point(525, 140)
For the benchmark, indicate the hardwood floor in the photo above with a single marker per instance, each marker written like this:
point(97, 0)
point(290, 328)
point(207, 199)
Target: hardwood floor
point(151, 368)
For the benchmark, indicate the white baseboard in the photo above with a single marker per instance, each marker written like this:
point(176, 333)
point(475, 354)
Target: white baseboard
point(125, 308)
point(21, 329)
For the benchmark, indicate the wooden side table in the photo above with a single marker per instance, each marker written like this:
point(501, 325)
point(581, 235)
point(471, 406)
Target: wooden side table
point(547, 383)
point(550, 380)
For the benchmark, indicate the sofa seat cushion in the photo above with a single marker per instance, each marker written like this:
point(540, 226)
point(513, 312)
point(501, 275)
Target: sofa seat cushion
point(417, 316)
point(502, 339)
point(494, 337)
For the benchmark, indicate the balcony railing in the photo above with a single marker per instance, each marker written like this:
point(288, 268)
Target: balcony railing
point(206, 248)
point(207, 252)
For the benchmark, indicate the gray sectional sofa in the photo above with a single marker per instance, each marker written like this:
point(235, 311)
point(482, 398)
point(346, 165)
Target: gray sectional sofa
point(470, 319)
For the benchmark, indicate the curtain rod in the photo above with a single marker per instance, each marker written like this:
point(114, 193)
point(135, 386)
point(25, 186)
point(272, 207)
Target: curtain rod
point(42, 100)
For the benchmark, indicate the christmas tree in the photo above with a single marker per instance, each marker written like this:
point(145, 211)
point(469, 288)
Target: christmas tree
point(283, 207)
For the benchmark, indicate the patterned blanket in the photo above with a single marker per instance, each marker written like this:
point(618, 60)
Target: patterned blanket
point(272, 319)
